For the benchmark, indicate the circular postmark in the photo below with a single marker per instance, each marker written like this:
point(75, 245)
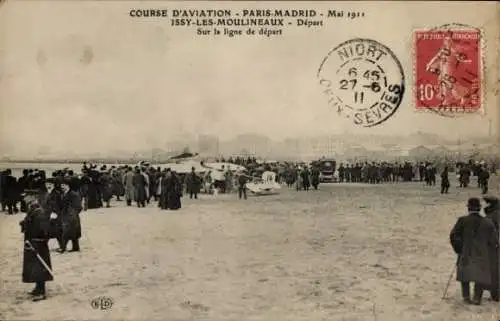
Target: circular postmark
point(364, 81)
point(448, 70)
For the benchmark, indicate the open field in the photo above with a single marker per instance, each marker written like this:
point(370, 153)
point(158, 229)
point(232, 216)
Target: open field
point(344, 252)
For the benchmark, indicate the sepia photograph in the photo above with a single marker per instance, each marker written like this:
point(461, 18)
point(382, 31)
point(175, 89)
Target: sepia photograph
point(244, 160)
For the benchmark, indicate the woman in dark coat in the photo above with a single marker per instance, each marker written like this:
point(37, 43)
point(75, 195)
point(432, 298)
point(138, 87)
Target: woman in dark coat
point(162, 181)
point(89, 180)
point(35, 227)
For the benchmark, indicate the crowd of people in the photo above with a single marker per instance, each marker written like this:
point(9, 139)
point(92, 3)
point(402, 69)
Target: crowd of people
point(53, 204)
point(145, 182)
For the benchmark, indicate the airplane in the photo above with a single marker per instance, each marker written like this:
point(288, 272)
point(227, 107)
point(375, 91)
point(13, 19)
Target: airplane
point(266, 185)
point(183, 157)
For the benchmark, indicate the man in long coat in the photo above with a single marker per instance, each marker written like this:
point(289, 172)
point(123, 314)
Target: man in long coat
point(117, 183)
point(140, 185)
point(106, 184)
point(164, 189)
point(11, 194)
point(193, 184)
point(35, 227)
point(445, 181)
point(483, 177)
point(473, 238)
point(51, 202)
point(242, 185)
point(315, 177)
point(128, 183)
point(70, 217)
point(492, 211)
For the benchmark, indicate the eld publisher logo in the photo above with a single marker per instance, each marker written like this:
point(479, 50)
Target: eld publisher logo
point(102, 303)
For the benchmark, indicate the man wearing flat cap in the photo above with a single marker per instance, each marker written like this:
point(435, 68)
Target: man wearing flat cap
point(492, 211)
point(474, 238)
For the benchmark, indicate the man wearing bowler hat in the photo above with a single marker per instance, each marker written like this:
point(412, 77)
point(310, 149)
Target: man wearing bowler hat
point(70, 217)
point(51, 202)
point(492, 211)
point(474, 238)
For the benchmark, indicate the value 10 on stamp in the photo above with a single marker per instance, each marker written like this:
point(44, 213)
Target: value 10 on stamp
point(448, 70)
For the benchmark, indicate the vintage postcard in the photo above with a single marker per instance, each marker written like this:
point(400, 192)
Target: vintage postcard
point(291, 160)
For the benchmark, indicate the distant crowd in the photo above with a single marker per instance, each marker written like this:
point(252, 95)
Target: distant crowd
point(142, 183)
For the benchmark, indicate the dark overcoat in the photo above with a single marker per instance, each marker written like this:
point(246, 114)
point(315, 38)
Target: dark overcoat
point(36, 230)
point(494, 214)
point(193, 183)
point(52, 203)
point(70, 216)
point(140, 184)
point(117, 182)
point(445, 181)
point(474, 238)
point(106, 187)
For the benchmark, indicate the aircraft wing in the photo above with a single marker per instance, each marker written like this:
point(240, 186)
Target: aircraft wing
point(183, 156)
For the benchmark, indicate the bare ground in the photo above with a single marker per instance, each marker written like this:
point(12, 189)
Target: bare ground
point(344, 252)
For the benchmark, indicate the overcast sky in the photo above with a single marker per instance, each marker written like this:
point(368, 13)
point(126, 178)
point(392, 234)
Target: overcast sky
point(85, 76)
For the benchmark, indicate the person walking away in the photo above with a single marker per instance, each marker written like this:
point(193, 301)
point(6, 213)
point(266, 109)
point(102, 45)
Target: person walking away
point(492, 211)
point(464, 176)
point(473, 238)
point(35, 227)
point(242, 185)
point(70, 217)
point(483, 177)
point(432, 175)
point(445, 181)
point(139, 183)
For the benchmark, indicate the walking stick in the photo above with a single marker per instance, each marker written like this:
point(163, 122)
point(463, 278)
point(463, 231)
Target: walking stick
point(30, 246)
point(449, 281)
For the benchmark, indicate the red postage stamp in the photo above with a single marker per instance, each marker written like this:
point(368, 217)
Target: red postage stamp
point(448, 70)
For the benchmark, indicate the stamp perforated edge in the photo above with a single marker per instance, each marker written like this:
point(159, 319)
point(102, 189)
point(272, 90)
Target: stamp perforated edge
point(455, 111)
